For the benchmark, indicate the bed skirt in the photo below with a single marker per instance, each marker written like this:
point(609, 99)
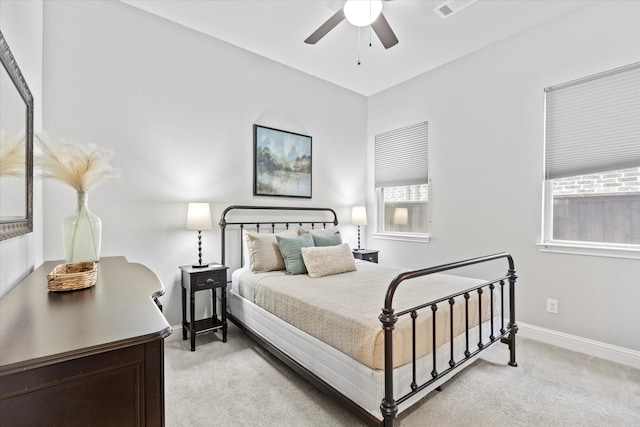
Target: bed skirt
point(359, 383)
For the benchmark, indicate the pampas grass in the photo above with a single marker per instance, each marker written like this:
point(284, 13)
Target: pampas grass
point(12, 154)
point(83, 167)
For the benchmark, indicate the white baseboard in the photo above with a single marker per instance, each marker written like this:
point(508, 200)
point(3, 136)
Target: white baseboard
point(599, 349)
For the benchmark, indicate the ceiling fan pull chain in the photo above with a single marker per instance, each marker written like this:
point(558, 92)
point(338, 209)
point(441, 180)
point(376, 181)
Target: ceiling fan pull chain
point(370, 14)
point(359, 45)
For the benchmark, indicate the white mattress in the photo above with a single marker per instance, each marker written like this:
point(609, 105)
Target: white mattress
point(361, 384)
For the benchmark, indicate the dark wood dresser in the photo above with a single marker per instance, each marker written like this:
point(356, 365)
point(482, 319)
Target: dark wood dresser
point(93, 357)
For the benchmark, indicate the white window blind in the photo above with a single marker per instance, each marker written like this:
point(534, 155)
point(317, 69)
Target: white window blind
point(401, 156)
point(593, 124)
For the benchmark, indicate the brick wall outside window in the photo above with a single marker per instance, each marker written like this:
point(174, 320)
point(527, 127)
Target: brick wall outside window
point(406, 193)
point(620, 181)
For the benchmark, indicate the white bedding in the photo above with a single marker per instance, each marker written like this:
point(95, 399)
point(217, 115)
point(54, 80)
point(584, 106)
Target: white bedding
point(342, 309)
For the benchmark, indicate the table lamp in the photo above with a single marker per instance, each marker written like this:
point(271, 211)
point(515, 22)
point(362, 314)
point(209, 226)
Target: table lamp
point(359, 217)
point(199, 218)
point(401, 216)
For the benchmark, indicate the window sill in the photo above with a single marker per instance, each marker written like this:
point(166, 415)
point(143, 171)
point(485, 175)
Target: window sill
point(610, 251)
point(403, 237)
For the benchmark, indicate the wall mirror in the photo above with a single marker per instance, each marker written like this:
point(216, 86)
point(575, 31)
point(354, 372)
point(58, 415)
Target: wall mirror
point(16, 148)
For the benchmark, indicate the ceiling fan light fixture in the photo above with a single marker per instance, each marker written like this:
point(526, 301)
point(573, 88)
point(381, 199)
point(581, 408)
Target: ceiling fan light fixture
point(362, 12)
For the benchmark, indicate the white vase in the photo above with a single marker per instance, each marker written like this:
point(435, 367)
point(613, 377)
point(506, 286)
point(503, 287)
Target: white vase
point(82, 233)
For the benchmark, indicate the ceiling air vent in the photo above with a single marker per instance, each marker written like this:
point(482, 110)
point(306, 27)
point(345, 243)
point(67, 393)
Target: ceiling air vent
point(450, 7)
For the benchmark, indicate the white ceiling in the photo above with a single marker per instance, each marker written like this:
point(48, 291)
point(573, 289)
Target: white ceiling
point(276, 29)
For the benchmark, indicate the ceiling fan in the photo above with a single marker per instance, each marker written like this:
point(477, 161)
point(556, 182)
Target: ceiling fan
point(359, 13)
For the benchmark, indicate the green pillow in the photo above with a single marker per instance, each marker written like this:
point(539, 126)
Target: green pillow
point(332, 240)
point(291, 250)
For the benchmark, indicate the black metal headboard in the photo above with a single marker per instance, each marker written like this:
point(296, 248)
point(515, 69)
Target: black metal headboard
point(322, 220)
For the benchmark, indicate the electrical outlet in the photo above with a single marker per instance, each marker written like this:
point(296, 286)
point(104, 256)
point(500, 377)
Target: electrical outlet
point(552, 306)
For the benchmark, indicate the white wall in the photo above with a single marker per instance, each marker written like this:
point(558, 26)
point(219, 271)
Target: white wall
point(177, 108)
point(485, 114)
point(21, 25)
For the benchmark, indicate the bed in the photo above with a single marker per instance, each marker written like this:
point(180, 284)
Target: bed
point(321, 314)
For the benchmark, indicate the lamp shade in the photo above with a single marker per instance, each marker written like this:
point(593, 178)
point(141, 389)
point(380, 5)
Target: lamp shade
point(359, 215)
point(401, 216)
point(362, 12)
point(199, 216)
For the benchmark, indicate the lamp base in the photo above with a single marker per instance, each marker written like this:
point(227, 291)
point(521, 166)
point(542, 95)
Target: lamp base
point(200, 265)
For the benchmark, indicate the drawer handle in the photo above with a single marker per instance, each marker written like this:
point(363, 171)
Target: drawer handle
point(210, 281)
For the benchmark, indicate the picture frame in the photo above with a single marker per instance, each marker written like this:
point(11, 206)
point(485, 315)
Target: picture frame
point(282, 163)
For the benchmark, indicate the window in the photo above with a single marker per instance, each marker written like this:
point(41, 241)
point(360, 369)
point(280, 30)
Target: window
point(405, 208)
point(592, 161)
point(401, 180)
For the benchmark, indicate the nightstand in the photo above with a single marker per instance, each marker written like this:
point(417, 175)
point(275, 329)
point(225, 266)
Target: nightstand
point(212, 277)
point(370, 255)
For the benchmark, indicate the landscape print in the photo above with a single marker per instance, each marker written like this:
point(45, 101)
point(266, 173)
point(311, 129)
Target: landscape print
point(282, 163)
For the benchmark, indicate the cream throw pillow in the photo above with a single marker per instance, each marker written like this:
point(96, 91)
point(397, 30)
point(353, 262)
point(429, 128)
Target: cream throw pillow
point(328, 260)
point(264, 254)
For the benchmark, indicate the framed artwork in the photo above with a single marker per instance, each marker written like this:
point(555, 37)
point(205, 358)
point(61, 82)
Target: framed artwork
point(281, 163)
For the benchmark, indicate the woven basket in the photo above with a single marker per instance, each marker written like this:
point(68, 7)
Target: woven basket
point(72, 276)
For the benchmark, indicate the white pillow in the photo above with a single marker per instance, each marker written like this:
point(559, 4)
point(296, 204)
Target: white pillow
point(245, 249)
point(264, 254)
point(319, 231)
point(328, 260)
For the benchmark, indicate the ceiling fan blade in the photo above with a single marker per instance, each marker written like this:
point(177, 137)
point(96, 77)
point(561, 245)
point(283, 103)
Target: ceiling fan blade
point(384, 32)
point(337, 18)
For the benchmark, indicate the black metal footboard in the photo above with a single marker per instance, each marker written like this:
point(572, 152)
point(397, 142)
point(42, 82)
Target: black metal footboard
point(388, 318)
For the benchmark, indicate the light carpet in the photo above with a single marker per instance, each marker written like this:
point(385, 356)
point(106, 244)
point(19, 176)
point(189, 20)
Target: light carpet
point(238, 383)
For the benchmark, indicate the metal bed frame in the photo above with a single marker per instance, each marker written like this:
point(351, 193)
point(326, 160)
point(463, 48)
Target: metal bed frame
point(388, 318)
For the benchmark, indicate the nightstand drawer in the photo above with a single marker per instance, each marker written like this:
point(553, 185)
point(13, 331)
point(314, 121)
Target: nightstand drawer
point(366, 255)
point(208, 280)
point(371, 257)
